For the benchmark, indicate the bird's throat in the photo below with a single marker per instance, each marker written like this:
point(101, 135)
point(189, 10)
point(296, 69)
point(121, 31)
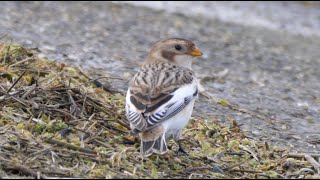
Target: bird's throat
point(183, 60)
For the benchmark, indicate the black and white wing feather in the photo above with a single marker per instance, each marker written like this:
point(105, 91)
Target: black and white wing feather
point(157, 93)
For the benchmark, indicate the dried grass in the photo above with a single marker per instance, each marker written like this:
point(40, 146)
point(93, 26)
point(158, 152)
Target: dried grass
point(54, 123)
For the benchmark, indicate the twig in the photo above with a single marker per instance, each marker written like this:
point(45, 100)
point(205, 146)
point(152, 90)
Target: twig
point(235, 165)
point(19, 62)
point(252, 153)
point(107, 88)
point(235, 153)
point(69, 151)
point(29, 91)
point(37, 153)
point(64, 177)
point(24, 169)
point(7, 52)
point(16, 81)
point(74, 109)
point(124, 124)
point(313, 162)
point(293, 155)
point(190, 170)
point(245, 170)
point(218, 156)
point(66, 113)
point(70, 146)
point(103, 144)
point(97, 105)
point(114, 128)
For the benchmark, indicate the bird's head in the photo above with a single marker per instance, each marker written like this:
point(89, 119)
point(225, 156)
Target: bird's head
point(174, 50)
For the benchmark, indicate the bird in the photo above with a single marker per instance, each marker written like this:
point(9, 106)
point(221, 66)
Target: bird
point(161, 95)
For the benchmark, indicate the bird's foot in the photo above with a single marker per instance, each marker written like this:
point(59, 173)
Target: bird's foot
point(181, 149)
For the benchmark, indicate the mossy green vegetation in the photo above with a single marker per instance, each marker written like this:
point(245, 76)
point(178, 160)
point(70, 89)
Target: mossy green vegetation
point(54, 122)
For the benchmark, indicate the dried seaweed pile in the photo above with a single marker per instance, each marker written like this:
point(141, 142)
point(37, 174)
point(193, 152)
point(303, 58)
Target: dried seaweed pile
point(54, 122)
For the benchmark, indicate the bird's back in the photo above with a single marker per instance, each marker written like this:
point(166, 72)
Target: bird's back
point(152, 85)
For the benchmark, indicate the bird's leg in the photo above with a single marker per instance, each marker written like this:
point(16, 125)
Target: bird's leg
point(181, 149)
point(176, 138)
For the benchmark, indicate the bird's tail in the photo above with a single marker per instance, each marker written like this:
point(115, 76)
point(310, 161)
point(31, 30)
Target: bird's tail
point(158, 145)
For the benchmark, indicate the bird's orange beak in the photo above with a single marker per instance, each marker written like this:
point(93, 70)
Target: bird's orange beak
point(196, 52)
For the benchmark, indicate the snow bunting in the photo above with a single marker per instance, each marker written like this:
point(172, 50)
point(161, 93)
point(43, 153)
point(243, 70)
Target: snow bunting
point(161, 96)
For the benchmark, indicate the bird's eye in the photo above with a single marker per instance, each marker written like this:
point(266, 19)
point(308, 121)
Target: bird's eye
point(178, 47)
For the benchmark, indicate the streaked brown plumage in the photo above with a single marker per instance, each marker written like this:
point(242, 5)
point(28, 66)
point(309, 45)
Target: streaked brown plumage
point(163, 89)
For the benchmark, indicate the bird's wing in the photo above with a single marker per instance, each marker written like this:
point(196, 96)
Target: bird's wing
point(157, 93)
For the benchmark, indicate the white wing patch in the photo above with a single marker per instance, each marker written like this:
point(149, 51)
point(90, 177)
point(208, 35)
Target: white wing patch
point(181, 98)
